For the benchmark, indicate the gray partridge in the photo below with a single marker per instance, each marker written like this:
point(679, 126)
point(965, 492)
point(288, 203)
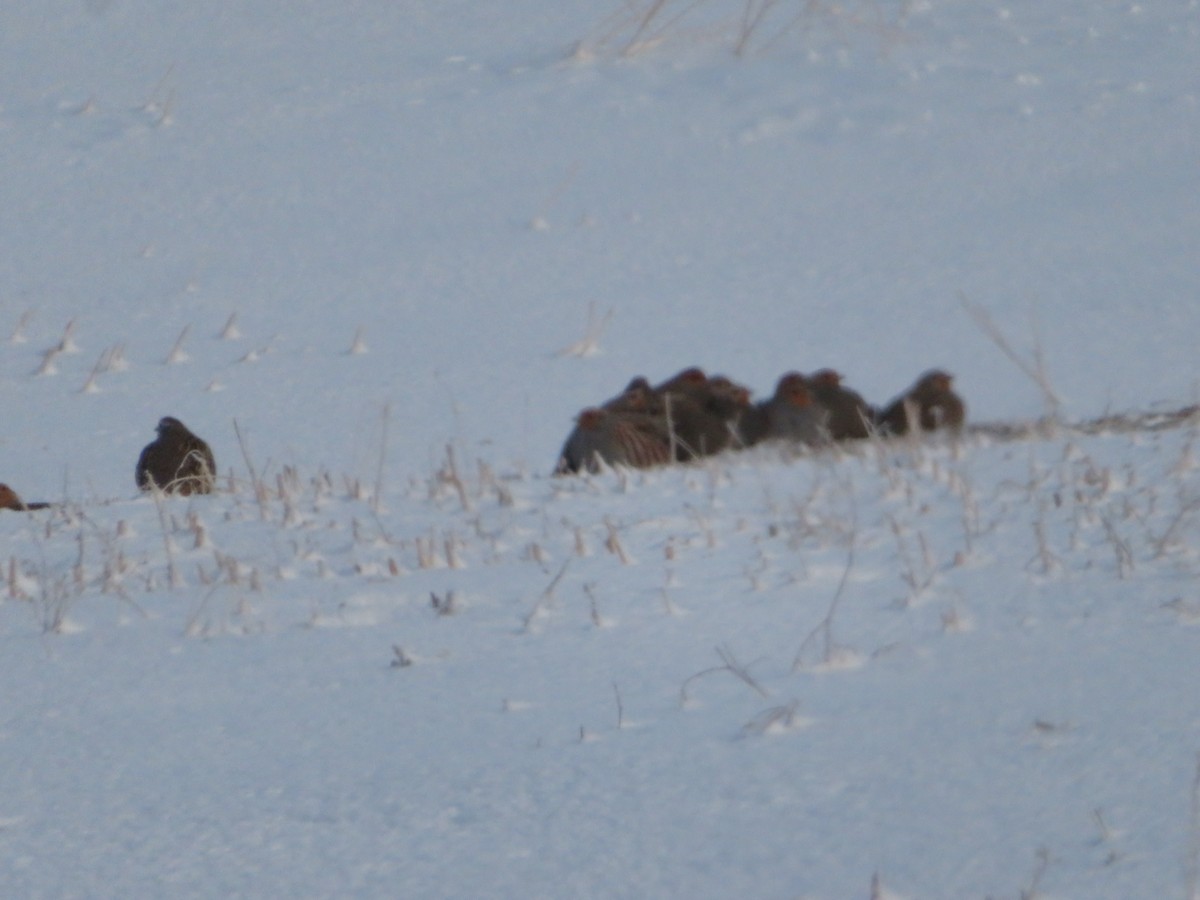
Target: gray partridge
point(703, 412)
point(614, 438)
point(933, 400)
point(790, 415)
point(638, 397)
point(850, 416)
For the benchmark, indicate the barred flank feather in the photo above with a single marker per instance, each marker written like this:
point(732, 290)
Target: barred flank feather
point(638, 443)
point(614, 438)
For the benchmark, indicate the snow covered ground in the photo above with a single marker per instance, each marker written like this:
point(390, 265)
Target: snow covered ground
point(379, 255)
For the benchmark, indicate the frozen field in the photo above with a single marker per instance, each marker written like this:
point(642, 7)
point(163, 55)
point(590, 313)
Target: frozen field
point(379, 255)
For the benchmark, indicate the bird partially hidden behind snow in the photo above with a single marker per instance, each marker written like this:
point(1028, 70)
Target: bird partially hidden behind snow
point(615, 438)
point(177, 462)
point(931, 404)
point(790, 415)
point(850, 416)
point(10, 500)
point(687, 417)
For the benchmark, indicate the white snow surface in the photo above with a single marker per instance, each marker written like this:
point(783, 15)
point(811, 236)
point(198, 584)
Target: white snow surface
point(380, 254)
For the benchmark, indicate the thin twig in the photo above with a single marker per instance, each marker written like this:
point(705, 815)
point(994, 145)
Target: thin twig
point(653, 10)
point(1043, 861)
point(1193, 860)
point(383, 446)
point(1036, 372)
point(824, 628)
point(172, 571)
point(732, 666)
point(260, 491)
point(547, 595)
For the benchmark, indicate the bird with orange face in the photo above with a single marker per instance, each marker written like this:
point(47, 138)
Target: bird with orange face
point(691, 382)
point(791, 414)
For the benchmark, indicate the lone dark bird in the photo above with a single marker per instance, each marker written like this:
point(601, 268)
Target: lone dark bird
point(10, 500)
point(932, 400)
point(177, 462)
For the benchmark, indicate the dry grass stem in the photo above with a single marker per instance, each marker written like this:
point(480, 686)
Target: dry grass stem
point(260, 490)
point(1035, 370)
point(613, 543)
point(178, 354)
point(824, 629)
point(174, 578)
point(1193, 855)
point(730, 665)
point(1039, 870)
point(589, 344)
point(547, 596)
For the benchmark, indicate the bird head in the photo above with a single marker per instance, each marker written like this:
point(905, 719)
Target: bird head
point(168, 424)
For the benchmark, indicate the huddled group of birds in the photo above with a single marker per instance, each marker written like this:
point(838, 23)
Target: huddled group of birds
point(176, 462)
point(689, 416)
point(692, 415)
